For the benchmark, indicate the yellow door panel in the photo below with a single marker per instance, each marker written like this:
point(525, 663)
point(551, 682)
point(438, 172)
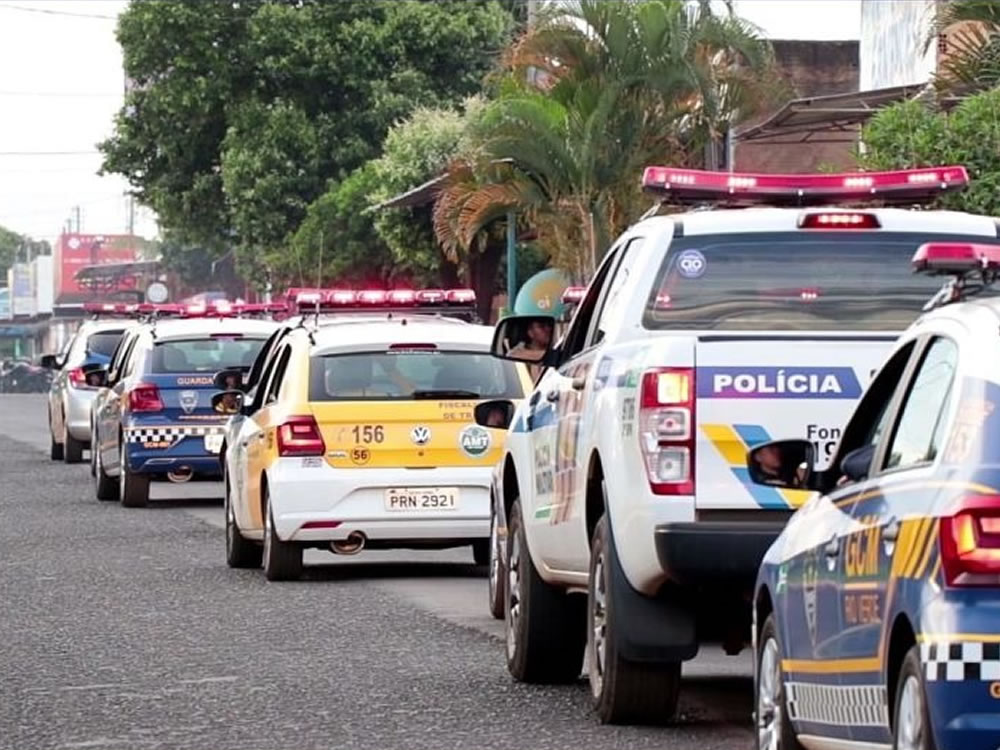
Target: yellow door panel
point(373, 434)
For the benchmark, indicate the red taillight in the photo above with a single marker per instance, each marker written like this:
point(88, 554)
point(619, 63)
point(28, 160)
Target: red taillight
point(666, 430)
point(300, 436)
point(145, 397)
point(970, 543)
point(319, 525)
point(78, 379)
point(839, 220)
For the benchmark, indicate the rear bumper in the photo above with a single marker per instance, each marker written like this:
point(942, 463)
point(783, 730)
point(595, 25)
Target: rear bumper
point(355, 499)
point(714, 552)
point(77, 402)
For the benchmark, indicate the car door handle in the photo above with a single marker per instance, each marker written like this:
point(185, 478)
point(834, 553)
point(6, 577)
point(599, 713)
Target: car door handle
point(891, 531)
point(579, 383)
point(552, 395)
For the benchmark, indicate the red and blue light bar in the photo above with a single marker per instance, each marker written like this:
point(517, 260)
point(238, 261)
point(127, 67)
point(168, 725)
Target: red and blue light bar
point(956, 258)
point(697, 185)
point(306, 300)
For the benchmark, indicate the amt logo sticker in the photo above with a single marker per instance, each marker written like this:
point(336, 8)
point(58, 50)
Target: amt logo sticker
point(778, 382)
point(474, 441)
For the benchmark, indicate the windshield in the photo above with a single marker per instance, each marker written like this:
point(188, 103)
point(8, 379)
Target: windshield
point(407, 375)
point(792, 281)
point(205, 354)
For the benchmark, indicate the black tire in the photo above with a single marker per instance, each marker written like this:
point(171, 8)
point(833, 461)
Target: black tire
point(55, 449)
point(544, 626)
point(911, 673)
point(105, 487)
point(72, 448)
point(133, 489)
point(93, 453)
point(240, 552)
point(771, 714)
point(622, 691)
point(481, 551)
point(498, 573)
point(282, 560)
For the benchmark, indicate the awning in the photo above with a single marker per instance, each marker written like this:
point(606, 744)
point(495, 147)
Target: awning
point(834, 118)
point(105, 273)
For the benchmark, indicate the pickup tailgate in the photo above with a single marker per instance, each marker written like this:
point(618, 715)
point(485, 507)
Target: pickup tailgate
point(754, 389)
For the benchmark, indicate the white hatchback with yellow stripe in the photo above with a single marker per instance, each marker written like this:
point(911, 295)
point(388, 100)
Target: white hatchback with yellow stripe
point(361, 434)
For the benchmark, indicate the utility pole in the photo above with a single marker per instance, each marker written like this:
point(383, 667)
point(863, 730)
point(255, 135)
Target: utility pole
point(131, 215)
point(76, 213)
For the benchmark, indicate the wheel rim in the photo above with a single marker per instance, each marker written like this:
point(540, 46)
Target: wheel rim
point(494, 559)
point(769, 698)
point(513, 594)
point(598, 625)
point(910, 735)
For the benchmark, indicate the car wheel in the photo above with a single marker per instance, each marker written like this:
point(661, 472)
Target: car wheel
point(498, 574)
point(282, 560)
point(106, 488)
point(774, 729)
point(93, 453)
point(133, 489)
point(55, 449)
point(544, 626)
point(622, 691)
point(911, 721)
point(72, 448)
point(240, 552)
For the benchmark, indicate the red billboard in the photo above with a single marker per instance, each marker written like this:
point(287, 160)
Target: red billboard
point(75, 251)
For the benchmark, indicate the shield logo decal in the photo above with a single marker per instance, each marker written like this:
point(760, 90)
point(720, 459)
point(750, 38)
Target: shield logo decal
point(420, 435)
point(189, 401)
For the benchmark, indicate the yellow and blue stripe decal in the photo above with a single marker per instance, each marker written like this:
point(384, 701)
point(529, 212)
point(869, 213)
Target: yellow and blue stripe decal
point(733, 442)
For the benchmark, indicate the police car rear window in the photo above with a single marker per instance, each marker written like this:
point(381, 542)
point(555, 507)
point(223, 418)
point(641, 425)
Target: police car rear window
point(793, 281)
point(103, 343)
point(407, 375)
point(204, 354)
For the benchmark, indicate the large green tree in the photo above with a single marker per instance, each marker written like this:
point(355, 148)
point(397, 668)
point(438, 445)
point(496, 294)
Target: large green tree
point(242, 113)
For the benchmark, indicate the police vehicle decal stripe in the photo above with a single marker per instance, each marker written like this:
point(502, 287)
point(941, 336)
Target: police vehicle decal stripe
point(838, 705)
point(165, 434)
point(831, 666)
point(904, 486)
point(957, 661)
point(732, 442)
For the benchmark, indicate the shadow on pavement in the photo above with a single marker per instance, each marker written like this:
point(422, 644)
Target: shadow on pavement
point(351, 571)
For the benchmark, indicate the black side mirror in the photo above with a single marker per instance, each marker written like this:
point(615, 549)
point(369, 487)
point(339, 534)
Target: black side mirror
point(524, 338)
point(497, 414)
point(229, 380)
point(783, 463)
point(228, 402)
point(96, 375)
point(50, 362)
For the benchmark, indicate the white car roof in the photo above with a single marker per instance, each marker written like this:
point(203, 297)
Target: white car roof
point(106, 324)
point(357, 335)
point(725, 221)
point(194, 327)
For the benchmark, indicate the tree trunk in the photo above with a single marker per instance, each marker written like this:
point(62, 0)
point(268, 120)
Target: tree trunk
point(484, 270)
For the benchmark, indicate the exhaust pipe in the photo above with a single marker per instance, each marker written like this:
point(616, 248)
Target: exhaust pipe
point(181, 475)
point(354, 543)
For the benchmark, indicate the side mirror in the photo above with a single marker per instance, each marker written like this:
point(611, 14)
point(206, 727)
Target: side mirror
point(497, 414)
point(524, 338)
point(783, 463)
point(229, 380)
point(50, 361)
point(228, 402)
point(96, 375)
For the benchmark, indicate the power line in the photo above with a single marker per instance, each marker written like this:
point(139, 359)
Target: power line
point(49, 11)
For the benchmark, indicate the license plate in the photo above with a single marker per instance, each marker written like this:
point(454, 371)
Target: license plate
point(418, 499)
point(213, 443)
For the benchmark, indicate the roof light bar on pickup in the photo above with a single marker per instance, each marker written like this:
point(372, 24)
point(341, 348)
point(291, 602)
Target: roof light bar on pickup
point(956, 258)
point(693, 185)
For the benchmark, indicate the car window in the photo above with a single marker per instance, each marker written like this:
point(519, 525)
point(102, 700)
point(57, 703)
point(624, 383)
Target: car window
point(409, 374)
point(918, 435)
point(103, 343)
point(259, 389)
point(205, 354)
point(264, 357)
point(613, 303)
point(274, 387)
point(125, 352)
point(576, 336)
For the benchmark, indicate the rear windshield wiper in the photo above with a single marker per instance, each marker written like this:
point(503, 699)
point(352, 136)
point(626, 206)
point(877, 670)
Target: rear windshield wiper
point(444, 393)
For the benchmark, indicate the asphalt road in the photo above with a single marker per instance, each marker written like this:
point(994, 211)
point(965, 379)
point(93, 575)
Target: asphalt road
point(125, 629)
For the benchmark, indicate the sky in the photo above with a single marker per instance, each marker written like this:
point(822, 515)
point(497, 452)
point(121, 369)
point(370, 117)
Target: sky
point(61, 83)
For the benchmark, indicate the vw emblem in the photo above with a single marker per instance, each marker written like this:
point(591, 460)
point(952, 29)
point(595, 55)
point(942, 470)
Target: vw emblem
point(189, 401)
point(420, 435)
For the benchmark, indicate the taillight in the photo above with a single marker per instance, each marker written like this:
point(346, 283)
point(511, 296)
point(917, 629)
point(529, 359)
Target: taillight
point(144, 397)
point(666, 430)
point(300, 436)
point(970, 543)
point(78, 379)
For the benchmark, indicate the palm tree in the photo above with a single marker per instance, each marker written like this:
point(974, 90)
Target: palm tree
point(973, 60)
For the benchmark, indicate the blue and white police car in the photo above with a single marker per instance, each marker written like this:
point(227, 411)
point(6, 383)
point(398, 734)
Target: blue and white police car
point(154, 417)
point(877, 610)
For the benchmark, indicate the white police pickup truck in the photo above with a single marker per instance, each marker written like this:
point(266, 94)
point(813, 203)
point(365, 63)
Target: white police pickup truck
point(627, 526)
